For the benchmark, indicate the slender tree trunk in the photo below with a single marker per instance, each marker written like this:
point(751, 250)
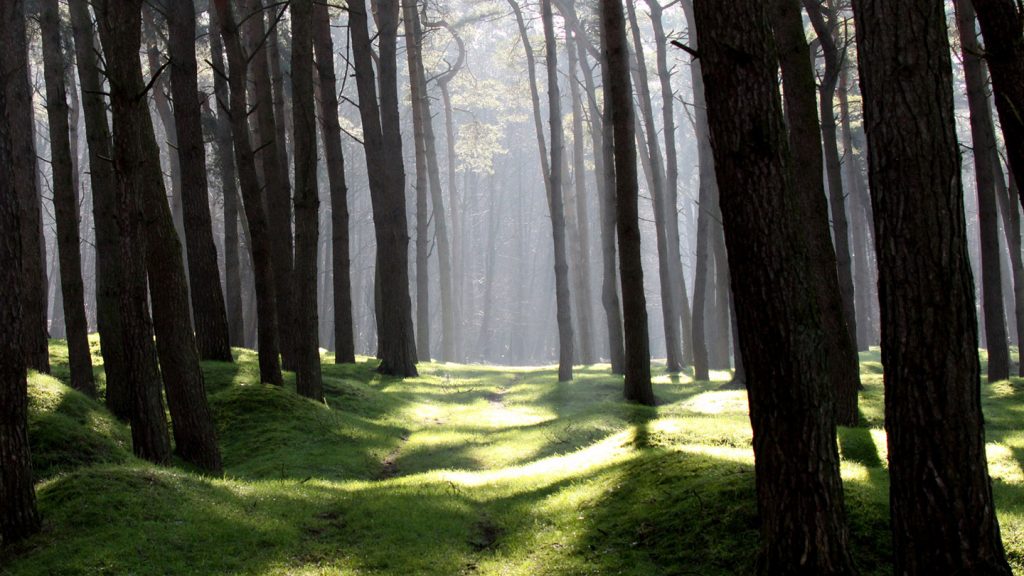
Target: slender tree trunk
point(985, 157)
point(136, 157)
point(619, 99)
point(277, 191)
point(826, 33)
point(19, 517)
point(209, 312)
point(671, 176)
point(943, 517)
point(14, 66)
point(308, 379)
point(382, 137)
point(105, 214)
point(562, 296)
point(416, 87)
point(1001, 23)
point(344, 343)
point(1011, 229)
point(656, 177)
point(65, 202)
point(229, 189)
point(258, 234)
point(843, 368)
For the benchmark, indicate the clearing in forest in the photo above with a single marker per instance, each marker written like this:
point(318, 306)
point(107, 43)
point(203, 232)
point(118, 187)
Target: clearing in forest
point(464, 470)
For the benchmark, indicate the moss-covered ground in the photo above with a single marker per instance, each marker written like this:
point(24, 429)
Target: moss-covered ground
point(464, 470)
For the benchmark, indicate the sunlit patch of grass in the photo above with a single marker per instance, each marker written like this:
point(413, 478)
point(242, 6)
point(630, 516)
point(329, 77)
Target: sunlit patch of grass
point(462, 470)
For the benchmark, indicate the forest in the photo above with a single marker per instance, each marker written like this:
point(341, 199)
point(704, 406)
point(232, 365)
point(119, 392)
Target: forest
point(516, 287)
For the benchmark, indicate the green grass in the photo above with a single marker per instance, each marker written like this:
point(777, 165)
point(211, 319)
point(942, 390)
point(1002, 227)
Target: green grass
point(464, 470)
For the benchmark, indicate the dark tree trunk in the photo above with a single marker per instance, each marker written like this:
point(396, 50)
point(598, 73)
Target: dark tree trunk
point(383, 143)
point(208, 310)
point(308, 380)
point(14, 66)
point(229, 189)
point(943, 517)
point(658, 189)
point(555, 204)
point(842, 368)
point(1006, 195)
point(581, 252)
point(344, 343)
point(619, 99)
point(277, 191)
point(985, 157)
point(1001, 24)
point(258, 236)
point(65, 202)
point(18, 515)
point(105, 215)
point(826, 33)
point(800, 497)
point(136, 159)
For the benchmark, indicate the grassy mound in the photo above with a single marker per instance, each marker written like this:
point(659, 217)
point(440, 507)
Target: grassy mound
point(463, 470)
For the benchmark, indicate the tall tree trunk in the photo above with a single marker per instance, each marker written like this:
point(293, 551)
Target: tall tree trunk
point(800, 498)
point(1006, 196)
point(382, 138)
point(843, 367)
point(65, 202)
point(19, 517)
point(258, 234)
point(14, 66)
point(826, 33)
point(604, 172)
point(582, 245)
point(277, 192)
point(943, 517)
point(985, 157)
point(229, 189)
point(421, 102)
point(671, 176)
point(344, 343)
point(105, 214)
point(136, 158)
point(1001, 24)
point(209, 312)
point(555, 204)
point(308, 379)
point(670, 290)
point(619, 99)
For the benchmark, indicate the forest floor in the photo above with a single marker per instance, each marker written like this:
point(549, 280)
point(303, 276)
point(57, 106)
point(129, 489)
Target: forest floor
point(464, 470)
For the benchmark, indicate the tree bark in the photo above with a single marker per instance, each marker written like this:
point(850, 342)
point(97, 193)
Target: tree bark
point(308, 379)
point(619, 99)
point(229, 189)
point(1001, 24)
point(209, 314)
point(383, 142)
point(19, 517)
point(258, 233)
point(1006, 196)
point(344, 343)
point(843, 367)
point(136, 159)
point(555, 204)
point(943, 517)
point(14, 66)
point(669, 284)
point(800, 498)
point(65, 202)
point(105, 208)
point(986, 154)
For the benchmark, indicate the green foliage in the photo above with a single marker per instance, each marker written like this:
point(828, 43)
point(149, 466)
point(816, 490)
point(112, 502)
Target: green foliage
point(464, 470)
